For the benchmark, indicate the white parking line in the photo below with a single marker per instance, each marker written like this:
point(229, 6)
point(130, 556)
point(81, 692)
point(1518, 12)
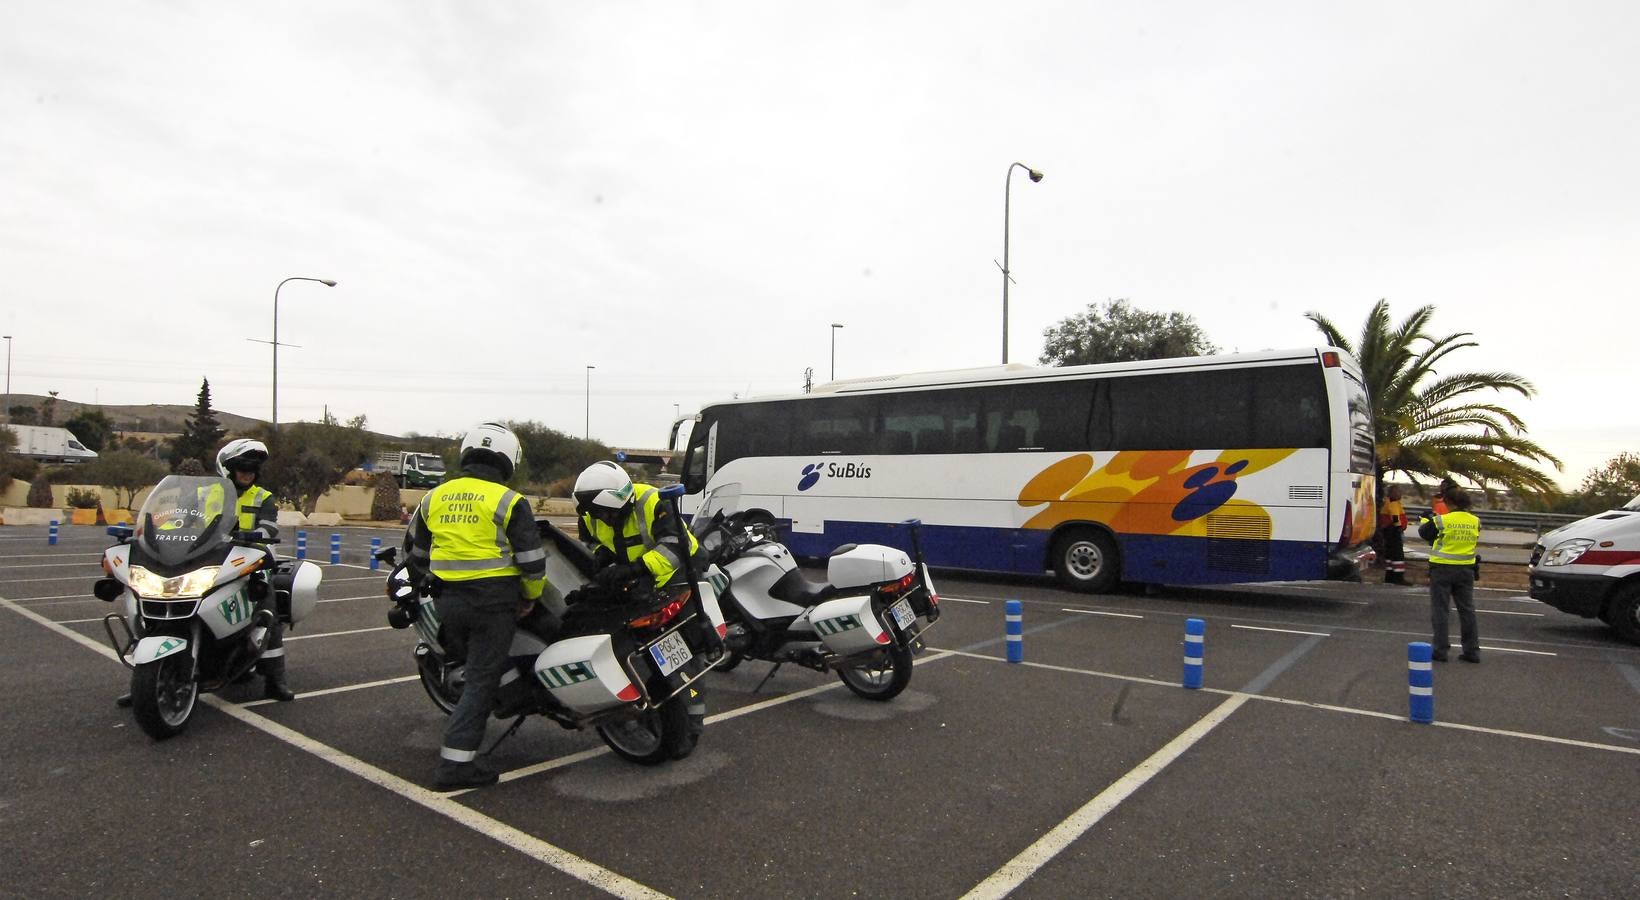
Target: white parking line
point(1282, 630)
point(85, 577)
point(1509, 612)
point(47, 556)
point(46, 566)
point(944, 598)
point(1039, 854)
point(306, 637)
point(336, 690)
point(574, 866)
point(1518, 650)
point(363, 597)
point(357, 578)
point(1100, 612)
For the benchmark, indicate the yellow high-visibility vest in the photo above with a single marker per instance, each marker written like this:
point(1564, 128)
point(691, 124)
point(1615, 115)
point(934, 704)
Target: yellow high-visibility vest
point(468, 521)
point(1457, 535)
point(250, 503)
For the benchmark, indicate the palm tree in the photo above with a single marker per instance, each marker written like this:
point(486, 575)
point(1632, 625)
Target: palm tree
point(1433, 425)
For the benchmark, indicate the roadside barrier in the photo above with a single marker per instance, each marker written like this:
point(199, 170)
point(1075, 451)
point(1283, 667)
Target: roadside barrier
point(1420, 683)
point(1014, 616)
point(301, 545)
point(51, 533)
point(375, 545)
point(1195, 635)
point(335, 549)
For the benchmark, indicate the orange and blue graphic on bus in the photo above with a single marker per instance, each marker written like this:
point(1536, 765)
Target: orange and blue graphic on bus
point(1147, 491)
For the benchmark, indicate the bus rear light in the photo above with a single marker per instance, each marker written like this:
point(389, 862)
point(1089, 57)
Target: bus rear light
point(1330, 360)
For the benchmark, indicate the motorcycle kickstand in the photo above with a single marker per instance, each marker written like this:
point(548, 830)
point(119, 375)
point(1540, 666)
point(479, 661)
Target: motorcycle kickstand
point(766, 678)
point(505, 734)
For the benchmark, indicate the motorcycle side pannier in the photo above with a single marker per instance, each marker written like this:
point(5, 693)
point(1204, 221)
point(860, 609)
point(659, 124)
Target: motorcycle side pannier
point(847, 625)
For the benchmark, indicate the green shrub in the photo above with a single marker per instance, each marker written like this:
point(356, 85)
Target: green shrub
point(39, 494)
point(84, 498)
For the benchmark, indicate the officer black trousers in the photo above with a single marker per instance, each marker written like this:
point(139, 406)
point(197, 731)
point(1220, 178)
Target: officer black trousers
point(1453, 585)
point(479, 630)
point(272, 663)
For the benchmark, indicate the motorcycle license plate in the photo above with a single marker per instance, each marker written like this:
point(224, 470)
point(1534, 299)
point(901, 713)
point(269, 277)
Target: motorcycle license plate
point(670, 652)
point(903, 616)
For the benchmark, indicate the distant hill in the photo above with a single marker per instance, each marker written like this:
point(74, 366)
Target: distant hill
point(151, 418)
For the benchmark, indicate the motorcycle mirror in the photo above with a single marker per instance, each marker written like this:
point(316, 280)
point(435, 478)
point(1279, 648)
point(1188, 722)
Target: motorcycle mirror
point(672, 490)
point(122, 532)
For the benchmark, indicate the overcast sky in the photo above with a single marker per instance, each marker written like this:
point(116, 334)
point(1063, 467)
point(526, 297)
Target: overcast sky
point(687, 195)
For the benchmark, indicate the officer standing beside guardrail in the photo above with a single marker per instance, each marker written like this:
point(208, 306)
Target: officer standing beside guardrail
point(1453, 537)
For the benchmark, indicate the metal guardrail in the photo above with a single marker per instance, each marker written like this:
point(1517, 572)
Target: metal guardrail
point(1535, 522)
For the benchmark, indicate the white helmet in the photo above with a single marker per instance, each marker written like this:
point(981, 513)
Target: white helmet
point(492, 444)
point(242, 453)
point(602, 487)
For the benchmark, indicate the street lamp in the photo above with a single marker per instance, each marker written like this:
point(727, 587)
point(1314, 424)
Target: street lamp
point(1006, 194)
point(7, 410)
point(588, 434)
point(324, 281)
point(834, 327)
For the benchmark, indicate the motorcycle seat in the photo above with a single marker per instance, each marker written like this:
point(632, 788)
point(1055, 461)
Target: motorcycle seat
point(796, 587)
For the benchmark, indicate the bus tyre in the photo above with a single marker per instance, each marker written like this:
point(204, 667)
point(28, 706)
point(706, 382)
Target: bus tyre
point(1086, 559)
point(1624, 612)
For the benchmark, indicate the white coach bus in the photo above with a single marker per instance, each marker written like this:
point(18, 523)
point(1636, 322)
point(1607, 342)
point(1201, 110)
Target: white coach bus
point(1197, 470)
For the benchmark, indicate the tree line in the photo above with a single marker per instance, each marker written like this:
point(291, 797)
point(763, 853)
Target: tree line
point(306, 459)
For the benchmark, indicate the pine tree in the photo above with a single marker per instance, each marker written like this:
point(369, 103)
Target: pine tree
point(200, 434)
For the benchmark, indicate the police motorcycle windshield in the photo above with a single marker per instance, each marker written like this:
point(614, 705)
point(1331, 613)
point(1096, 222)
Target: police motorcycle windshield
point(186, 520)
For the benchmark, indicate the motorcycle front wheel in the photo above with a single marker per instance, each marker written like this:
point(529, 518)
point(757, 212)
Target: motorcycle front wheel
point(163, 695)
point(429, 667)
point(654, 736)
point(884, 677)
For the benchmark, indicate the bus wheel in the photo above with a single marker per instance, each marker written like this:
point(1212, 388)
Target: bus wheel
point(1625, 612)
point(1086, 559)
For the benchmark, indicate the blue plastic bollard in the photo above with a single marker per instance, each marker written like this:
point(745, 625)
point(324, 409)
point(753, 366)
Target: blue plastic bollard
point(301, 545)
point(1420, 683)
point(51, 533)
point(375, 545)
point(335, 549)
point(1014, 616)
point(1195, 644)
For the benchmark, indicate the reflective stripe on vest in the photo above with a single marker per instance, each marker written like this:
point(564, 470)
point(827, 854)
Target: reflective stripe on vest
point(250, 503)
point(467, 518)
point(1457, 535)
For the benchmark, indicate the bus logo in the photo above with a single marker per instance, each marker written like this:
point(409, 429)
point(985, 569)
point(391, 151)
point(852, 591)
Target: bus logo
point(811, 477)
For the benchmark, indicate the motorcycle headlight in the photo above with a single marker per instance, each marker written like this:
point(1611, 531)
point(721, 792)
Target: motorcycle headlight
point(1566, 552)
point(181, 587)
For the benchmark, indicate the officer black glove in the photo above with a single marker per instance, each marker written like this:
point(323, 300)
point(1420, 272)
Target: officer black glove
point(611, 576)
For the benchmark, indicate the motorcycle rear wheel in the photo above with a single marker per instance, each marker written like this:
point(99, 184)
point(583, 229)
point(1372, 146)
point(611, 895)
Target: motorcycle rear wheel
point(882, 679)
point(655, 736)
point(164, 694)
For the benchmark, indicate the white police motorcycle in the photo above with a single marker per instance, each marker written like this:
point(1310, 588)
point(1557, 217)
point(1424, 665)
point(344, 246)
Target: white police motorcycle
point(192, 616)
point(621, 660)
point(864, 621)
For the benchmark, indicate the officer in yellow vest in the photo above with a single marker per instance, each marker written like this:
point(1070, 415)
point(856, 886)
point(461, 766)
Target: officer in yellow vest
point(1453, 537)
point(475, 542)
point(635, 533)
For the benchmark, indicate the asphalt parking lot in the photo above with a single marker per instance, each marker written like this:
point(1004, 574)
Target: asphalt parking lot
point(1085, 771)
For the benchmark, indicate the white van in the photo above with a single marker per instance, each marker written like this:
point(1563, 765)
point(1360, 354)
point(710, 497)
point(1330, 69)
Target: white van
point(1591, 568)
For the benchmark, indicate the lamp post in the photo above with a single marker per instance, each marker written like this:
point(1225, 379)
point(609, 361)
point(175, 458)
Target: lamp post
point(834, 327)
point(7, 410)
point(1007, 192)
point(588, 433)
point(324, 281)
